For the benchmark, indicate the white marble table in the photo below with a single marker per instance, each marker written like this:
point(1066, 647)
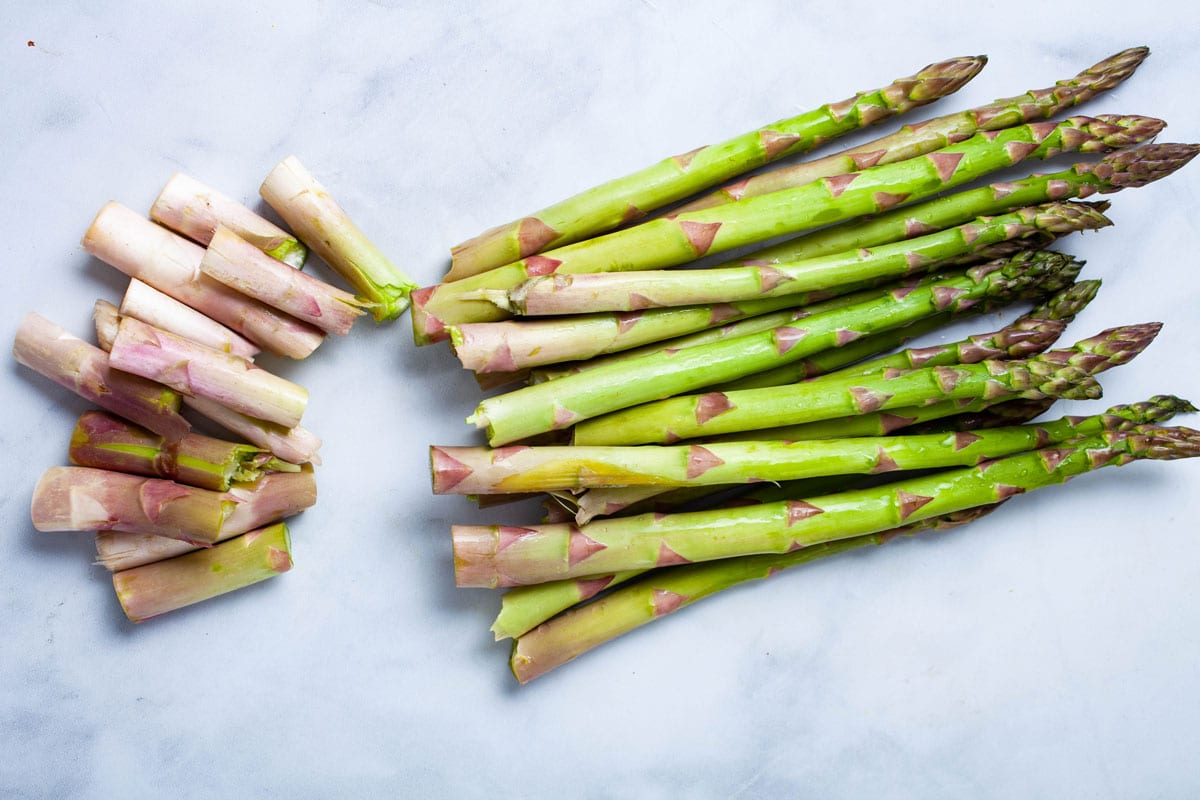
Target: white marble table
point(1051, 651)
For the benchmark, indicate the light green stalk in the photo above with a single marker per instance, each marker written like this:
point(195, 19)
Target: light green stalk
point(624, 199)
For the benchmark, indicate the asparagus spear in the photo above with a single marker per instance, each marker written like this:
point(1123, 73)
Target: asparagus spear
point(144, 302)
point(914, 140)
point(105, 442)
point(84, 369)
point(1027, 335)
point(496, 556)
point(241, 266)
point(686, 237)
point(564, 402)
point(195, 370)
point(481, 470)
point(154, 589)
point(624, 199)
point(272, 497)
point(542, 647)
point(634, 291)
point(145, 251)
point(837, 396)
point(187, 206)
point(1124, 169)
point(320, 222)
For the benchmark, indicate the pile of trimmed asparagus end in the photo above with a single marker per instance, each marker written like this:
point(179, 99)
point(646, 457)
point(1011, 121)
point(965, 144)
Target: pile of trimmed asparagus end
point(696, 428)
point(180, 516)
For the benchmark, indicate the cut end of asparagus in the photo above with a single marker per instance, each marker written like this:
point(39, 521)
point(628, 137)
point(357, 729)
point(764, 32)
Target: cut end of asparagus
point(153, 589)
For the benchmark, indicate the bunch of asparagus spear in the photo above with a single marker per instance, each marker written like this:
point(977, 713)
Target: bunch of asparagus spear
point(181, 516)
point(695, 428)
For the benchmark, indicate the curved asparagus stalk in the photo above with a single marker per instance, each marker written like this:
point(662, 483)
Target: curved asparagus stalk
point(321, 223)
point(272, 497)
point(542, 647)
point(634, 291)
point(105, 442)
point(1123, 169)
point(624, 199)
point(833, 396)
point(84, 369)
point(195, 370)
point(914, 140)
point(297, 445)
point(241, 266)
point(1029, 334)
point(187, 206)
point(682, 238)
point(144, 302)
point(564, 402)
point(154, 589)
point(497, 556)
point(136, 246)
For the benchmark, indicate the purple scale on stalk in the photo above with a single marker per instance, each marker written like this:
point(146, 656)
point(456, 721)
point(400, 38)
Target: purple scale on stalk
point(700, 235)
point(501, 360)
point(901, 292)
point(541, 265)
point(711, 405)
point(1005, 491)
point(668, 557)
point(700, 460)
point(581, 547)
point(627, 319)
point(945, 164)
point(1042, 130)
point(798, 510)
point(533, 235)
point(632, 213)
point(1051, 458)
point(841, 108)
point(886, 200)
point(564, 417)
point(737, 190)
point(448, 471)
point(892, 422)
point(844, 336)
point(964, 439)
point(1003, 190)
point(501, 454)
point(666, 601)
point(1085, 190)
point(839, 183)
point(1058, 189)
point(278, 560)
point(769, 278)
point(948, 378)
point(884, 462)
point(507, 535)
point(786, 337)
point(992, 390)
point(156, 495)
point(891, 373)
point(911, 503)
point(1018, 151)
point(916, 262)
point(868, 159)
point(775, 144)
point(943, 296)
point(684, 160)
point(914, 227)
point(983, 116)
point(864, 253)
point(611, 508)
point(868, 400)
point(590, 587)
point(918, 356)
point(990, 135)
point(721, 312)
point(638, 302)
point(1041, 437)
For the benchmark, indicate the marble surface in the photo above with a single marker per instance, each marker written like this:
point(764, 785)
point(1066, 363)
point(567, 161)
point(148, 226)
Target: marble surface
point(1049, 651)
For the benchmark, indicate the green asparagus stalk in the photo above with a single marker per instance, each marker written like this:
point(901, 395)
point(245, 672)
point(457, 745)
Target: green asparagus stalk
point(624, 199)
point(187, 206)
point(836, 396)
point(238, 264)
point(105, 442)
point(914, 140)
point(1124, 169)
point(322, 224)
point(542, 647)
point(168, 262)
point(686, 237)
point(634, 291)
point(195, 370)
point(84, 369)
point(564, 402)
point(1027, 335)
point(157, 588)
point(493, 556)
point(275, 496)
point(481, 470)
point(695, 325)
